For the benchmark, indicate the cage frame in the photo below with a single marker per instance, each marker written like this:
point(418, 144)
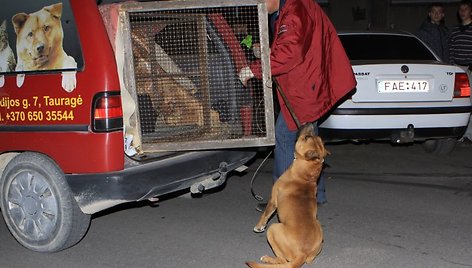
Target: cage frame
point(130, 79)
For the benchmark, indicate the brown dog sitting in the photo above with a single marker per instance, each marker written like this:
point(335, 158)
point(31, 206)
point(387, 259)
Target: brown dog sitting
point(297, 238)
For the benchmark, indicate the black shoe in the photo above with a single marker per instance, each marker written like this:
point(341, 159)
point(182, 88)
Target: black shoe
point(261, 207)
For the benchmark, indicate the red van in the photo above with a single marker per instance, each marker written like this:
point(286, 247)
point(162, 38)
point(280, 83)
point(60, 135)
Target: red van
point(106, 104)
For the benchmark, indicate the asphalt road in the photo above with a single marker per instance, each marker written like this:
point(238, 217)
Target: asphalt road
point(388, 206)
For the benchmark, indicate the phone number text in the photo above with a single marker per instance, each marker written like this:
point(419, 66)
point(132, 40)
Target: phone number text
point(37, 116)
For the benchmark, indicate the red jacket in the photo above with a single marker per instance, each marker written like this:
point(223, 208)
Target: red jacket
point(309, 62)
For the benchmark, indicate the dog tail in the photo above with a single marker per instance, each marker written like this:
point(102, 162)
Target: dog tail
point(295, 263)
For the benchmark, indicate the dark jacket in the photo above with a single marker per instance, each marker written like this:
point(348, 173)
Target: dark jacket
point(309, 62)
point(436, 37)
point(460, 48)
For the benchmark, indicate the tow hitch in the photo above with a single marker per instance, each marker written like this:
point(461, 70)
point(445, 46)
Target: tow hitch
point(211, 181)
point(404, 136)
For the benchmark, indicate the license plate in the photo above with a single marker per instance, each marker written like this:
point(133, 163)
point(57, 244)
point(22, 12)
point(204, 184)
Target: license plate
point(394, 86)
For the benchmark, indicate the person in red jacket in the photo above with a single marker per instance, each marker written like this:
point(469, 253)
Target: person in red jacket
point(311, 67)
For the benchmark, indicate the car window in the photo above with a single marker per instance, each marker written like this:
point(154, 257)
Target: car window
point(384, 47)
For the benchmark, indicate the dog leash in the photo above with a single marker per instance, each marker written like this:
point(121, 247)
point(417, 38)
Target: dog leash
point(297, 122)
point(287, 103)
point(256, 196)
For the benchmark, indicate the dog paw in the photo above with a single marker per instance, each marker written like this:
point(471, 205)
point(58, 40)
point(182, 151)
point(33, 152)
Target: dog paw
point(69, 81)
point(259, 229)
point(20, 79)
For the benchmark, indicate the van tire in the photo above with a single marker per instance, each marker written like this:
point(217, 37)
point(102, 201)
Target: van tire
point(440, 146)
point(38, 206)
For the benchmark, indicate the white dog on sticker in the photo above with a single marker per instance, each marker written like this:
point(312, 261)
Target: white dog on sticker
point(7, 58)
point(39, 38)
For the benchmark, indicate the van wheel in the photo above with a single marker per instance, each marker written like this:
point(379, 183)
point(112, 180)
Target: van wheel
point(38, 206)
point(440, 146)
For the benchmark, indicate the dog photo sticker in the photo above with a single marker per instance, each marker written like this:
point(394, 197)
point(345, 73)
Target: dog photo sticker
point(39, 36)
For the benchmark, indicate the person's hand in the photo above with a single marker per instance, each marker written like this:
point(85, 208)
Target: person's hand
point(245, 74)
point(256, 50)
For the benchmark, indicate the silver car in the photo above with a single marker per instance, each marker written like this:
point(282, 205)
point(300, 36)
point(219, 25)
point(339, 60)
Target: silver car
point(404, 94)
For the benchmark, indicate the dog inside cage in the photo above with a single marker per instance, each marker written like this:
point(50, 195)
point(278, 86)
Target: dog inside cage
point(186, 65)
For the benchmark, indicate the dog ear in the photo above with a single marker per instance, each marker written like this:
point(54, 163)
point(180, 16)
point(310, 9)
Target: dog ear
point(18, 21)
point(327, 152)
point(55, 10)
point(311, 155)
point(324, 150)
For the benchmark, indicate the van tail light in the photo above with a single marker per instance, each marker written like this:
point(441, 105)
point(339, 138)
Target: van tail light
point(461, 86)
point(107, 112)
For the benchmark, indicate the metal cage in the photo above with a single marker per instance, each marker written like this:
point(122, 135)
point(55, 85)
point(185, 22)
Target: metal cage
point(184, 58)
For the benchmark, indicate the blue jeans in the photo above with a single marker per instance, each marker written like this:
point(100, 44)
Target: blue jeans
point(284, 151)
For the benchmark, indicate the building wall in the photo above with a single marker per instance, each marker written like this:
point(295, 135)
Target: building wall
point(382, 14)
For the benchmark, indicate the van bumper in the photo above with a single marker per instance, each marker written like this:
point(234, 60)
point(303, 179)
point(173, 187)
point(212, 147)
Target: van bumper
point(144, 180)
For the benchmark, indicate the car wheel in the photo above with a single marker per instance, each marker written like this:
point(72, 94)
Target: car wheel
point(38, 206)
point(440, 146)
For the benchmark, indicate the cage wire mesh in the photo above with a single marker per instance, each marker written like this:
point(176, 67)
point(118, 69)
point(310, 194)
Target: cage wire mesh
point(186, 65)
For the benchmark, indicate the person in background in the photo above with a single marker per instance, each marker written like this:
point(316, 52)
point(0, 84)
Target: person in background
point(460, 50)
point(434, 32)
point(312, 69)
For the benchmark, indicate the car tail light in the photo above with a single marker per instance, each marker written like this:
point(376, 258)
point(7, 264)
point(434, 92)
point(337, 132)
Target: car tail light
point(461, 86)
point(107, 112)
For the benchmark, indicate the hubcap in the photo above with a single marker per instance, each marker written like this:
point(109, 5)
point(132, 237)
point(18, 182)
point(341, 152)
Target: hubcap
point(32, 205)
